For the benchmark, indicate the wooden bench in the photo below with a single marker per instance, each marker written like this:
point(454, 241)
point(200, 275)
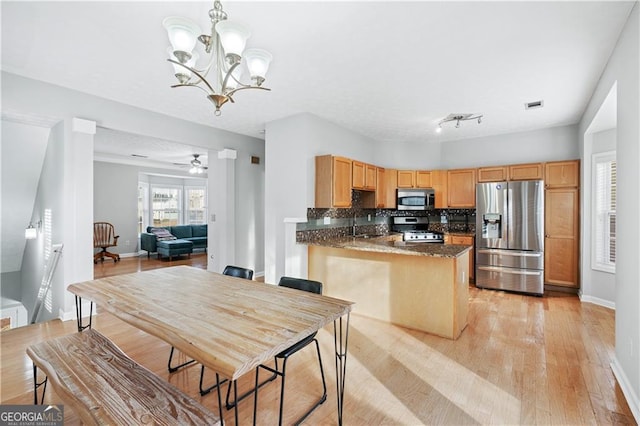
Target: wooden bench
point(104, 386)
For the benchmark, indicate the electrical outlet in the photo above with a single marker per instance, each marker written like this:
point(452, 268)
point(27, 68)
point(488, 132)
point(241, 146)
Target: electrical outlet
point(369, 217)
point(463, 276)
point(630, 347)
point(213, 217)
point(327, 221)
point(126, 243)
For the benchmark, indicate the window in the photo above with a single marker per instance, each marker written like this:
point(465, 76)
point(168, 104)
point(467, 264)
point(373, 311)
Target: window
point(195, 205)
point(604, 212)
point(166, 203)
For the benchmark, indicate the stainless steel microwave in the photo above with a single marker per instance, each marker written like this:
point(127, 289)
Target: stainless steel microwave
point(416, 199)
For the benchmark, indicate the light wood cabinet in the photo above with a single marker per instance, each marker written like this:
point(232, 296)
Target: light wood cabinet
point(381, 188)
point(561, 237)
point(363, 176)
point(465, 240)
point(423, 179)
point(461, 185)
point(439, 185)
point(333, 181)
point(391, 183)
point(406, 178)
point(532, 171)
point(492, 174)
point(562, 174)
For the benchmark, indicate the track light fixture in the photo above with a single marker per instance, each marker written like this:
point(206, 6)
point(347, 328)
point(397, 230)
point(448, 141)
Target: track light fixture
point(458, 117)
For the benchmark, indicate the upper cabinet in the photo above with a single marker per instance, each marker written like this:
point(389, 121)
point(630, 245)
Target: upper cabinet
point(492, 174)
point(462, 188)
point(333, 181)
point(562, 174)
point(532, 171)
point(364, 176)
point(406, 178)
point(414, 179)
point(439, 185)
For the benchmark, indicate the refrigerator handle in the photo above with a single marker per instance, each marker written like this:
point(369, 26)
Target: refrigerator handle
point(509, 210)
point(509, 271)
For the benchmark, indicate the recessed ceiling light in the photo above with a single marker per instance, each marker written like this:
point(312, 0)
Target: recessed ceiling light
point(534, 104)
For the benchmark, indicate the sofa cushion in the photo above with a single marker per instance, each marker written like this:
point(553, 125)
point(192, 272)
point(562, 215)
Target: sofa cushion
point(199, 230)
point(181, 231)
point(162, 234)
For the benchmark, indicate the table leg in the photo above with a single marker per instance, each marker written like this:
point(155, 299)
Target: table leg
point(81, 327)
point(340, 340)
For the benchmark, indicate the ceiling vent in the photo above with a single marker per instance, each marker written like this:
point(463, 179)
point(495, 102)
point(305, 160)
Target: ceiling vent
point(534, 105)
point(139, 156)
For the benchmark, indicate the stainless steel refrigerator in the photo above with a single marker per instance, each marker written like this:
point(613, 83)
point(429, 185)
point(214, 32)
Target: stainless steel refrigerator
point(510, 236)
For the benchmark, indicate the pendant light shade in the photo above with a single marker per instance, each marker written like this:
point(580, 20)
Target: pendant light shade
point(258, 61)
point(233, 37)
point(183, 34)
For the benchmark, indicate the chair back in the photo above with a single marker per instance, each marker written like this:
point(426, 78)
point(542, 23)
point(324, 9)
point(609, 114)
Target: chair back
point(103, 235)
point(237, 271)
point(301, 284)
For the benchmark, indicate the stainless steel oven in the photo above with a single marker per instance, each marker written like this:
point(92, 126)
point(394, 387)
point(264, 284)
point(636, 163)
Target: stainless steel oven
point(416, 199)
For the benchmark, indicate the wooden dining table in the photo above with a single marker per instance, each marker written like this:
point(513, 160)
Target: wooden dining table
point(228, 324)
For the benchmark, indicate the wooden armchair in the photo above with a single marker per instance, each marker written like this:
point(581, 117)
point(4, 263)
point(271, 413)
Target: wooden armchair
point(103, 238)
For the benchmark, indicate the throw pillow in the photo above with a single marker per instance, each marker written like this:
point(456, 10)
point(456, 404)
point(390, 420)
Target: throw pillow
point(162, 234)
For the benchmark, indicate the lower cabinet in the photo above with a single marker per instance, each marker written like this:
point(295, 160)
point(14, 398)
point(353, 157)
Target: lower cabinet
point(465, 240)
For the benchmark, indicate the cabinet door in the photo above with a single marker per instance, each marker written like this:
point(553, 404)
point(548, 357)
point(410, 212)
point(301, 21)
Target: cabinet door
point(439, 185)
point(391, 182)
point(462, 188)
point(562, 174)
point(423, 179)
point(381, 188)
point(370, 177)
point(531, 171)
point(341, 182)
point(492, 174)
point(561, 237)
point(358, 175)
point(465, 241)
point(406, 178)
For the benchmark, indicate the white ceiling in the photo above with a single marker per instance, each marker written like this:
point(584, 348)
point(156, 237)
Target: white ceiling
point(387, 70)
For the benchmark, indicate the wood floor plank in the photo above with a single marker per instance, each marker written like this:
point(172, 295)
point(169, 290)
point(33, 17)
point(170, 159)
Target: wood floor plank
point(521, 360)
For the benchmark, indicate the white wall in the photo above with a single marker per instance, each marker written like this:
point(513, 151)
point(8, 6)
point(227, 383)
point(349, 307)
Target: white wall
point(555, 143)
point(623, 70)
point(115, 200)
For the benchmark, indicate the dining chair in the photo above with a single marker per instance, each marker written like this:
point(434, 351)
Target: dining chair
point(103, 238)
point(304, 285)
point(233, 271)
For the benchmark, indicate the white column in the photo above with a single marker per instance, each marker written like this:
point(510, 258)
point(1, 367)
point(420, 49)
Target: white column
point(77, 255)
point(295, 255)
point(222, 205)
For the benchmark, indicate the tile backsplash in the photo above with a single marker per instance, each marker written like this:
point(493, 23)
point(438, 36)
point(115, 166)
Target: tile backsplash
point(332, 223)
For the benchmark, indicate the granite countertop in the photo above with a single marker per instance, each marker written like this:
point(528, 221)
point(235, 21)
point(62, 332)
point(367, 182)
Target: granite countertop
point(384, 244)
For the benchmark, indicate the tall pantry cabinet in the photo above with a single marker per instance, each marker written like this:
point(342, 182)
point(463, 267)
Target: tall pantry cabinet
point(562, 223)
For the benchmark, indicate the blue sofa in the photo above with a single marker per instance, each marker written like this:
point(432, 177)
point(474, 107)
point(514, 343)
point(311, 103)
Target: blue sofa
point(196, 234)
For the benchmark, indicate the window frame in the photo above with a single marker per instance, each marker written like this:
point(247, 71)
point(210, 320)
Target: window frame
point(180, 196)
point(600, 244)
point(186, 209)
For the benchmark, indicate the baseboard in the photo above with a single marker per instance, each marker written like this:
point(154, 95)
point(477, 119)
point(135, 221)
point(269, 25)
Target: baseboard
point(71, 315)
point(597, 301)
point(134, 254)
point(627, 390)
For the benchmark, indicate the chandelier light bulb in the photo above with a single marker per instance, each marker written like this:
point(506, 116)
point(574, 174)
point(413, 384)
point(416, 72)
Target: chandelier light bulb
point(439, 129)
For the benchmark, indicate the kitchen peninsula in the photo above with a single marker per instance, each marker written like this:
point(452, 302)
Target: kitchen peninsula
point(418, 286)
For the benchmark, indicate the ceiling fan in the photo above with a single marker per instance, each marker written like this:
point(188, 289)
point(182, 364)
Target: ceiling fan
point(195, 165)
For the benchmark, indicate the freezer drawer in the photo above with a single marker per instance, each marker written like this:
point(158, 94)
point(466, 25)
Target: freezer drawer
point(511, 279)
point(510, 258)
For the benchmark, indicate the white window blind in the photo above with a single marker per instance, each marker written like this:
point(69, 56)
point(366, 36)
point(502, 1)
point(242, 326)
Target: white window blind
point(604, 212)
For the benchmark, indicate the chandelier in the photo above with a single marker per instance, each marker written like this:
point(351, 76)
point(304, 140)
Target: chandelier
point(225, 50)
point(458, 117)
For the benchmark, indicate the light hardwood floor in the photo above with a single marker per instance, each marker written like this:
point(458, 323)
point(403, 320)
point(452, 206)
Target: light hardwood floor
point(521, 360)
